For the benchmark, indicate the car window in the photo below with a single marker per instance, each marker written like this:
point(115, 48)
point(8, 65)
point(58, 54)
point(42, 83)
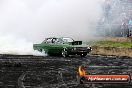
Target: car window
point(55, 40)
point(68, 40)
point(49, 40)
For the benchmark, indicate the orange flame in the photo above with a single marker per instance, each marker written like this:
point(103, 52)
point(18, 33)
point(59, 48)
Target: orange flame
point(81, 71)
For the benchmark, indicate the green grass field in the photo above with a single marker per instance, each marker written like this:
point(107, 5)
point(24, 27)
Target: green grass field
point(111, 44)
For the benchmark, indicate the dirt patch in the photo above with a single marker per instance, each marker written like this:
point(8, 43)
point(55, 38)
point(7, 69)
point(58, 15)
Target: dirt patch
point(118, 39)
point(107, 49)
point(19, 71)
point(118, 51)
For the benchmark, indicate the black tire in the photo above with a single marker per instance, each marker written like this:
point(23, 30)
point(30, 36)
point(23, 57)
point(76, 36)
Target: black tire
point(83, 55)
point(64, 53)
point(40, 50)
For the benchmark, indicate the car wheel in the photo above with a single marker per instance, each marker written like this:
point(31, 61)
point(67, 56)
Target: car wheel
point(40, 50)
point(64, 52)
point(83, 54)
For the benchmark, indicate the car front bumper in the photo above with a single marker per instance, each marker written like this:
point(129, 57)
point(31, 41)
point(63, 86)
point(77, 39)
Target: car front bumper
point(79, 51)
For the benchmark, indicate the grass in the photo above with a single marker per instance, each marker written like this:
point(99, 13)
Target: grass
point(111, 44)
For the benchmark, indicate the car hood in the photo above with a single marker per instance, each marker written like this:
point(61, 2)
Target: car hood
point(83, 45)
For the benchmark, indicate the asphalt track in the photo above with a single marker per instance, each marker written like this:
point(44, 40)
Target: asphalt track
point(27, 71)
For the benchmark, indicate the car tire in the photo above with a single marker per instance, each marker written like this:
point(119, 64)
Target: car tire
point(83, 54)
point(64, 53)
point(40, 50)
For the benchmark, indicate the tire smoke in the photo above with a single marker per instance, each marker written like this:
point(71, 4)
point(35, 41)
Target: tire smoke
point(30, 21)
point(11, 45)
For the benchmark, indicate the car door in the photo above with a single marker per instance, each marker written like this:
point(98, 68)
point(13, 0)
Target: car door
point(55, 46)
point(47, 45)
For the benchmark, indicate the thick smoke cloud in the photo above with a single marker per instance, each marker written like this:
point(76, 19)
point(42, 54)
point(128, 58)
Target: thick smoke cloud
point(117, 14)
point(33, 20)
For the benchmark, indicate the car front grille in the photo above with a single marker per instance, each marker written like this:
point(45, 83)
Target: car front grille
point(81, 48)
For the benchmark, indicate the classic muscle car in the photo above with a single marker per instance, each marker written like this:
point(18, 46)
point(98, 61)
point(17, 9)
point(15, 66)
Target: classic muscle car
point(64, 46)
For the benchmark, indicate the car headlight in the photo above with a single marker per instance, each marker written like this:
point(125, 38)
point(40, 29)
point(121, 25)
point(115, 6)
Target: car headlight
point(88, 47)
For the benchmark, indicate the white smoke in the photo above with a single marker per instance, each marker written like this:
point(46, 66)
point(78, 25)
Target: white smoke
point(12, 45)
point(117, 14)
point(24, 22)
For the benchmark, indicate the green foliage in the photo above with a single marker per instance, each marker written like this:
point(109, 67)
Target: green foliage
point(113, 44)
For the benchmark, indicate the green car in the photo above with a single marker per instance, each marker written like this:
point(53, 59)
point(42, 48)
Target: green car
point(64, 46)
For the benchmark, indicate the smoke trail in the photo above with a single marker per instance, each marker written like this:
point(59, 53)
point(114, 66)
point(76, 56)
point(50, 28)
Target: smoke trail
point(11, 45)
point(33, 20)
point(117, 14)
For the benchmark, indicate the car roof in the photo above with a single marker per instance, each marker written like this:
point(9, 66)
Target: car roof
point(58, 38)
point(51, 37)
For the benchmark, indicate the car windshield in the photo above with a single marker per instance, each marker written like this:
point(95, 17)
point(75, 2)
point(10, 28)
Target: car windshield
point(67, 39)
